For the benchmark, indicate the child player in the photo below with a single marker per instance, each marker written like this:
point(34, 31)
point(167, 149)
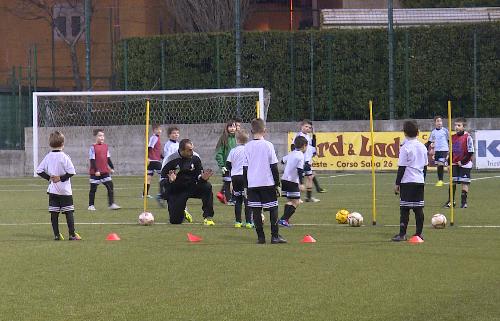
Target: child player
point(234, 165)
point(410, 180)
point(227, 141)
point(154, 157)
point(100, 169)
point(57, 168)
point(292, 179)
point(463, 149)
point(261, 176)
point(439, 140)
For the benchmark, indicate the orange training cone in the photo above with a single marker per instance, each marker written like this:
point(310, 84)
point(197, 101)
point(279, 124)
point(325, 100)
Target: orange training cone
point(112, 237)
point(193, 238)
point(308, 239)
point(415, 239)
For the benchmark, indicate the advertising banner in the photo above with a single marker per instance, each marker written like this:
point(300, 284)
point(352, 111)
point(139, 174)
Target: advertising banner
point(487, 149)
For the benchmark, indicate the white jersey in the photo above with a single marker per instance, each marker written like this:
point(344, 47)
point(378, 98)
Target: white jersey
point(259, 155)
point(413, 155)
point(171, 147)
point(440, 139)
point(57, 163)
point(294, 160)
point(308, 155)
point(237, 158)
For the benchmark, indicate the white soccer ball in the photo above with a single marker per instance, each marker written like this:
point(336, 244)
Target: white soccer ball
point(146, 218)
point(355, 219)
point(438, 221)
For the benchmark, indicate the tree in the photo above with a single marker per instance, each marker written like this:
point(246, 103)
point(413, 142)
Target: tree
point(205, 15)
point(49, 11)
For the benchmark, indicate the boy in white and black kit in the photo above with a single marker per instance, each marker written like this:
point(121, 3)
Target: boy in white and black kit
point(410, 181)
point(261, 176)
point(439, 140)
point(292, 179)
point(234, 164)
point(57, 168)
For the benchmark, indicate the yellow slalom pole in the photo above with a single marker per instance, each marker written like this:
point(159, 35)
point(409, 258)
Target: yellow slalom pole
point(374, 206)
point(450, 171)
point(145, 196)
point(257, 106)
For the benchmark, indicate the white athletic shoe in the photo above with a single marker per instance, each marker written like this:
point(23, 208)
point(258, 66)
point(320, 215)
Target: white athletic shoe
point(312, 199)
point(91, 208)
point(114, 206)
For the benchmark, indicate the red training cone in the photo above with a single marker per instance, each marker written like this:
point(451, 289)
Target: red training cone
point(193, 238)
point(415, 239)
point(308, 239)
point(112, 237)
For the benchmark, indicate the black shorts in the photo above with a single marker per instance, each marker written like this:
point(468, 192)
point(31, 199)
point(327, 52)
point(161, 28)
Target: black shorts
point(307, 169)
point(61, 203)
point(262, 197)
point(290, 190)
point(440, 158)
point(461, 175)
point(238, 185)
point(226, 177)
point(154, 167)
point(411, 195)
point(100, 179)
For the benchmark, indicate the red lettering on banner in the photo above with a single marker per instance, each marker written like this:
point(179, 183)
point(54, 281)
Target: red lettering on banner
point(381, 149)
point(335, 148)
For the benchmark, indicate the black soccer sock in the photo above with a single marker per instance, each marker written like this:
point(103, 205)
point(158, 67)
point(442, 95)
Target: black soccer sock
point(440, 170)
point(70, 220)
point(237, 208)
point(404, 217)
point(147, 189)
point(454, 186)
point(419, 219)
point(248, 212)
point(93, 190)
point(257, 220)
point(316, 184)
point(464, 197)
point(288, 212)
point(111, 196)
point(273, 214)
point(54, 219)
point(309, 193)
point(226, 189)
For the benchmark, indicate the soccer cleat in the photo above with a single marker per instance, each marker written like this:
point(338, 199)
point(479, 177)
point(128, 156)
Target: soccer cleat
point(59, 237)
point(249, 225)
point(221, 197)
point(278, 240)
point(187, 216)
point(91, 208)
point(114, 206)
point(148, 196)
point(261, 241)
point(238, 224)
point(312, 200)
point(321, 190)
point(75, 237)
point(208, 222)
point(448, 204)
point(439, 183)
point(464, 205)
point(284, 223)
point(398, 238)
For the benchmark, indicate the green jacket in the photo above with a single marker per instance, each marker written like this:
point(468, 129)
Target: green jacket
point(222, 152)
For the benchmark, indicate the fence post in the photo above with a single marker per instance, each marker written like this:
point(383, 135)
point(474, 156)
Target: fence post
point(162, 76)
point(311, 56)
point(292, 76)
point(217, 57)
point(125, 64)
point(390, 35)
point(330, 75)
point(407, 75)
point(475, 73)
point(35, 67)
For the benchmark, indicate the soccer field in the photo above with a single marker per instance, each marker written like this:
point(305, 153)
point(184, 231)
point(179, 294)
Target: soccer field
point(154, 273)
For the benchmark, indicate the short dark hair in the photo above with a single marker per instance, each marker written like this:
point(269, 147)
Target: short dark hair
point(410, 128)
point(56, 139)
point(306, 122)
point(155, 126)
point(237, 120)
point(242, 136)
point(184, 142)
point(97, 131)
point(461, 120)
point(437, 117)
point(299, 142)
point(258, 126)
point(171, 129)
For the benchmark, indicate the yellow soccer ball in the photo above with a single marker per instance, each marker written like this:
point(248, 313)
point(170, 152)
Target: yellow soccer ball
point(341, 216)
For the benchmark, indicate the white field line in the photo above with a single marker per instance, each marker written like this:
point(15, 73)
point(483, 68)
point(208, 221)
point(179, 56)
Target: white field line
point(478, 179)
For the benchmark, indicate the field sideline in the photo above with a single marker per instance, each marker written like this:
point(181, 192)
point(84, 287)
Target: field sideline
point(153, 273)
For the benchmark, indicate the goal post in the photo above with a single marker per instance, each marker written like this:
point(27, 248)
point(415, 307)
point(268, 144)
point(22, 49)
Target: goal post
point(79, 112)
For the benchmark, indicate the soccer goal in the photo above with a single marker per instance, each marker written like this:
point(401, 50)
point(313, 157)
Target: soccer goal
point(122, 114)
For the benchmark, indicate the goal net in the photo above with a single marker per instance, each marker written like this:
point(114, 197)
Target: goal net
point(122, 115)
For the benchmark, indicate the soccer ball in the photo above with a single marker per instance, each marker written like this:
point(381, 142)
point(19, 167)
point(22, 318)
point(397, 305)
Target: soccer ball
point(341, 216)
point(438, 221)
point(146, 218)
point(355, 219)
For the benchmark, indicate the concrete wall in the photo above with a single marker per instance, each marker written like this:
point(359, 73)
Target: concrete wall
point(127, 142)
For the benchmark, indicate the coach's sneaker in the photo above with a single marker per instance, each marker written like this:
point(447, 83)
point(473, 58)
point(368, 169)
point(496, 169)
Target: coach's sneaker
point(91, 208)
point(398, 238)
point(75, 237)
point(284, 223)
point(249, 225)
point(208, 222)
point(59, 237)
point(238, 224)
point(439, 183)
point(187, 216)
point(114, 206)
point(448, 204)
point(464, 205)
point(221, 197)
point(278, 240)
